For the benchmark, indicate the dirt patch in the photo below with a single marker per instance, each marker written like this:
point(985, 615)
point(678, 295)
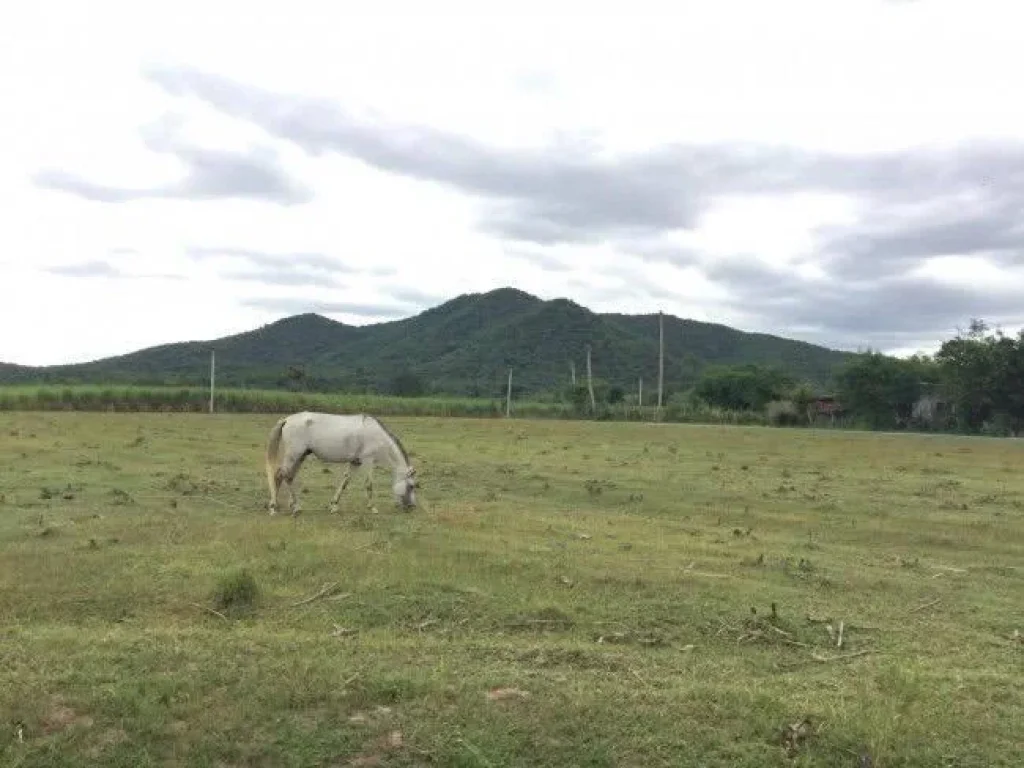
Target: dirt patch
point(503, 694)
point(184, 484)
point(60, 717)
point(375, 752)
point(109, 738)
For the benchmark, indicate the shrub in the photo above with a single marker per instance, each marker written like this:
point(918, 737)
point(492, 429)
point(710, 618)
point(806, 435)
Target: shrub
point(784, 413)
point(236, 591)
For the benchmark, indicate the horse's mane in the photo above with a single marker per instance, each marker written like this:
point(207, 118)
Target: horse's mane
point(394, 439)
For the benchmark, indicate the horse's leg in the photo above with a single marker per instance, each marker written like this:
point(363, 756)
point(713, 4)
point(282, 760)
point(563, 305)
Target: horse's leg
point(345, 478)
point(343, 483)
point(294, 490)
point(290, 469)
point(282, 477)
point(274, 489)
point(369, 486)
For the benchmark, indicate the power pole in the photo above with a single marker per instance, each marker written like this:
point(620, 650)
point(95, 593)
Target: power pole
point(661, 357)
point(508, 396)
point(590, 383)
point(640, 393)
point(572, 371)
point(213, 356)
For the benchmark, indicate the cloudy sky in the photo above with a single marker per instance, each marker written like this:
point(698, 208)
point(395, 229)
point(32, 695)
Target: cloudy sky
point(850, 173)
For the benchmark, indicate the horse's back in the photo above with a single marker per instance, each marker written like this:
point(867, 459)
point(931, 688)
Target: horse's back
point(332, 436)
point(327, 420)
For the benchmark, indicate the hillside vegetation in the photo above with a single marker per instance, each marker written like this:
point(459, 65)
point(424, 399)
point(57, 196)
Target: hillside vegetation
point(462, 347)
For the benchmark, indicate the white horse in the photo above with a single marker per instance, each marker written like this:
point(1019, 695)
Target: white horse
point(358, 440)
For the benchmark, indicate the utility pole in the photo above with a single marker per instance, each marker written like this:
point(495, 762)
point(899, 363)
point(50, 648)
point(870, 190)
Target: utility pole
point(640, 393)
point(213, 355)
point(590, 383)
point(508, 396)
point(572, 371)
point(661, 357)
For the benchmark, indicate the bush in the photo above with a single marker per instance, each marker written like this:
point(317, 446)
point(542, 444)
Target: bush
point(236, 591)
point(784, 413)
point(685, 407)
point(742, 387)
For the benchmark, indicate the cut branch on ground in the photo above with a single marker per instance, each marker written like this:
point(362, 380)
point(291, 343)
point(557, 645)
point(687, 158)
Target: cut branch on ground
point(325, 591)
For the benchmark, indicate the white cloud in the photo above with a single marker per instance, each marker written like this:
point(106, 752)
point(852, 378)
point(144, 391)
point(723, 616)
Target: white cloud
point(572, 83)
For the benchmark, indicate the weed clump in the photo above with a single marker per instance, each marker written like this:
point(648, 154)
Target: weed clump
point(236, 591)
point(120, 498)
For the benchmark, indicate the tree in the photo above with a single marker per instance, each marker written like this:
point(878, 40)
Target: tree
point(407, 384)
point(983, 375)
point(803, 399)
point(881, 390)
point(296, 377)
point(742, 387)
point(579, 395)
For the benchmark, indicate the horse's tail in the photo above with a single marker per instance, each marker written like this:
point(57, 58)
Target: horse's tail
point(273, 445)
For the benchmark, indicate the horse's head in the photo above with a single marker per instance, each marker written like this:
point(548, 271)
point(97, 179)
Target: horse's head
point(404, 488)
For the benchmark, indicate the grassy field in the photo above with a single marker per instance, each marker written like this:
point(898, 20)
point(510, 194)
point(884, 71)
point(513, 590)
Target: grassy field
point(577, 594)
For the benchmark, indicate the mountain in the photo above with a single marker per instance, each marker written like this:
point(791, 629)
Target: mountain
point(464, 346)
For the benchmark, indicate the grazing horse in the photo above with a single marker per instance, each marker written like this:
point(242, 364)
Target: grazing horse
point(358, 440)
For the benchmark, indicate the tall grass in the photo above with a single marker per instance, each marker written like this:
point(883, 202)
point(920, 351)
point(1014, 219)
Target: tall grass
point(196, 400)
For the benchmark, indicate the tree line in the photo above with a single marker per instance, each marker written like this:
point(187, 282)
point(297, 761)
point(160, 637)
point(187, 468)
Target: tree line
point(973, 384)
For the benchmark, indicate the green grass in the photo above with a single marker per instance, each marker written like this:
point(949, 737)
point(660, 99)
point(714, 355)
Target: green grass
point(622, 575)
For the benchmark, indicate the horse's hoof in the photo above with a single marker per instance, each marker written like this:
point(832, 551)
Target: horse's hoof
point(333, 509)
point(374, 510)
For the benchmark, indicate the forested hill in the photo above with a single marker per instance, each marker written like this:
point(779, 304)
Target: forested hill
point(464, 346)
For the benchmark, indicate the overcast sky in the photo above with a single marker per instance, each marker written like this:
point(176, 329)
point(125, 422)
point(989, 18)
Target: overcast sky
point(849, 173)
